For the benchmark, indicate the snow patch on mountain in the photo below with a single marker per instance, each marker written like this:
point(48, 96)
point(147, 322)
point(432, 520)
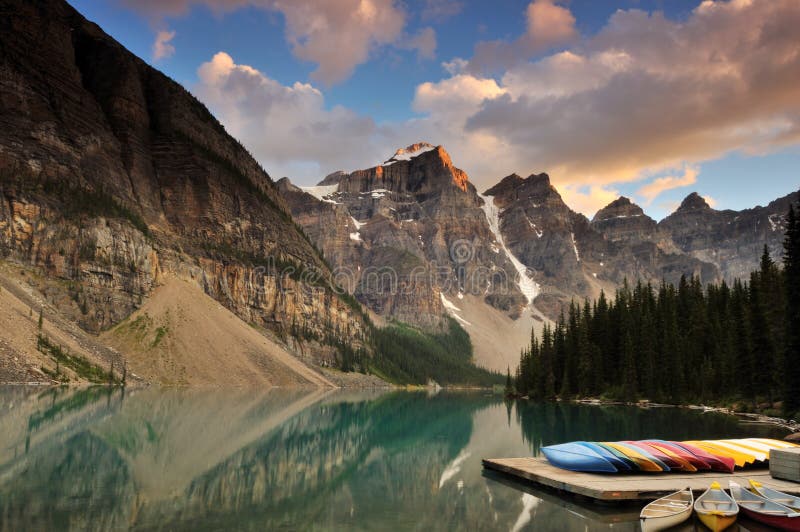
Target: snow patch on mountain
point(528, 287)
point(322, 192)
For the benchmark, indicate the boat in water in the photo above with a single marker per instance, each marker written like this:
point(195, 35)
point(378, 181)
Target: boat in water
point(668, 511)
point(780, 497)
point(764, 510)
point(716, 509)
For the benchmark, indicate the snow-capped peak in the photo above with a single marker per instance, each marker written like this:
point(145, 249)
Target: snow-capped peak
point(409, 152)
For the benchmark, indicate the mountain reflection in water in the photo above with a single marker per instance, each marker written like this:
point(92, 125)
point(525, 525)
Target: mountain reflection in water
point(174, 459)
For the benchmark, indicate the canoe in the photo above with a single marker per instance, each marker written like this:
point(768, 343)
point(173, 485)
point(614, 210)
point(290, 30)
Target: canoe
point(764, 510)
point(619, 454)
point(790, 501)
point(716, 509)
point(644, 463)
point(754, 445)
point(724, 464)
point(620, 464)
point(777, 444)
point(739, 459)
point(697, 462)
point(667, 511)
point(757, 456)
point(675, 462)
point(646, 454)
point(574, 457)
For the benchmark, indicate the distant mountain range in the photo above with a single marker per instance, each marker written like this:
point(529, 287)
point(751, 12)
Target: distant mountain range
point(516, 250)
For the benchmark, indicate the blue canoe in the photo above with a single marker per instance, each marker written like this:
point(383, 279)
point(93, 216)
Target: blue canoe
point(617, 462)
point(576, 457)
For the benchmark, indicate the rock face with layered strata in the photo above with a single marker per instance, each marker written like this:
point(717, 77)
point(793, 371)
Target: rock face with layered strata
point(410, 235)
point(112, 175)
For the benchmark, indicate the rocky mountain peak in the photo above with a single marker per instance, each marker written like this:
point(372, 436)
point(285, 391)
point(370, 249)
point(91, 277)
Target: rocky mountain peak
point(535, 187)
point(409, 152)
point(621, 207)
point(693, 202)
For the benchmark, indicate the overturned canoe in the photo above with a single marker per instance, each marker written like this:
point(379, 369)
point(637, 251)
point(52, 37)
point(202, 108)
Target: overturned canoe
point(575, 457)
point(644, 461)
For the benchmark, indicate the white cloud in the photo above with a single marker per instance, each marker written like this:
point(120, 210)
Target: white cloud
point(163, 47)
point(288, 128)
point(337, 35)
point(657, 186)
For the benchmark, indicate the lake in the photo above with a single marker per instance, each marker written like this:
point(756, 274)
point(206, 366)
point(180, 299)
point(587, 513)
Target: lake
point(197, 459)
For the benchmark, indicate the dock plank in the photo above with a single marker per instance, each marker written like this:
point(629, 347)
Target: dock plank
point(630, 487)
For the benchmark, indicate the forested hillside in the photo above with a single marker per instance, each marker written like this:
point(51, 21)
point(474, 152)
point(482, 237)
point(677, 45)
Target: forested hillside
point(719, 343)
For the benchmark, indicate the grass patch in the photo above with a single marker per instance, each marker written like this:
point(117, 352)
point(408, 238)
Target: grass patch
point(78, 364)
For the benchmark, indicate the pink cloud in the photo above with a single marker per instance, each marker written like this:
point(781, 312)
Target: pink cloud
point(163, 47)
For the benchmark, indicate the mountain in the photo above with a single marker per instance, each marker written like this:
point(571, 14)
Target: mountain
point(731, 240)
point(414, 212)
point(113, 179)
point(413, 240)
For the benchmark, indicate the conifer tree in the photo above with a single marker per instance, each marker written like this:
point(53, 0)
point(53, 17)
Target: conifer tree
point(791, 361)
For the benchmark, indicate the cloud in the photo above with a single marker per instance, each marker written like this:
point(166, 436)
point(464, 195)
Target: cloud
point(441, 10)
point(547, 25)
point(648, 94)
point(588, 199)
point(424, 42)
point(163, 47)
point(288, 128)
point(336, 35)
point(653, 189)
point(644, 96)
point(711, 201)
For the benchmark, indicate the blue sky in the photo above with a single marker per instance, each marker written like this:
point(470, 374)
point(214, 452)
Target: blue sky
point(608, 97)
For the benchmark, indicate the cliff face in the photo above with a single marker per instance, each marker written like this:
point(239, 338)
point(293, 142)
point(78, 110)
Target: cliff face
point(573, 257)
point(731, 240)
point(112, 175)
point(408, 236)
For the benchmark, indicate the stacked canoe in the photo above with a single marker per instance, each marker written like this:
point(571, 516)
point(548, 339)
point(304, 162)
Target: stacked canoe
point(657, 456)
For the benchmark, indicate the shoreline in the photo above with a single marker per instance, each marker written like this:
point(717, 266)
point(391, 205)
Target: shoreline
point(755, 418)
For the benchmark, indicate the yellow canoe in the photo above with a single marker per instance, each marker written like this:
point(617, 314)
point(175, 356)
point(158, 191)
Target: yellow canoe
point(716, 509)
point(758, 456)
point(641, 461)
point(738, 458)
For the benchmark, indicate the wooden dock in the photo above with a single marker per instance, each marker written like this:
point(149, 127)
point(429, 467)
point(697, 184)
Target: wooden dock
point(636, 487)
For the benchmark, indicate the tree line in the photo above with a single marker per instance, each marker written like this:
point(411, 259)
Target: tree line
point(731, 343)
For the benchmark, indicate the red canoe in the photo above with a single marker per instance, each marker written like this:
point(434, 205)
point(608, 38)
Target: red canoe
point(673, 464)
point(697, 462)
point(717, 463)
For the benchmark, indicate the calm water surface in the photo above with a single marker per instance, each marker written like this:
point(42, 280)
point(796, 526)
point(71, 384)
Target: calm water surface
point(157, 459)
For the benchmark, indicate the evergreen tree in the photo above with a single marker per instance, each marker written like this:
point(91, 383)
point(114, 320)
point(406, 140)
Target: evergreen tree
point(791, 361)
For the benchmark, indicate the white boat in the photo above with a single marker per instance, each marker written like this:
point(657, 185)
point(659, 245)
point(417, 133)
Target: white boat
point(780, 497)
point(667, 511)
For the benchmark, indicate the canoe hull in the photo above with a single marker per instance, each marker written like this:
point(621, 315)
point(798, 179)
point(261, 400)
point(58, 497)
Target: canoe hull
point(652, 524)
point(780, 522)
point(716, 523)
point(574, 457)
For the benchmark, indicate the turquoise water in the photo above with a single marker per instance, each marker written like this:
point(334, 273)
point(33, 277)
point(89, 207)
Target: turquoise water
point(167, 459)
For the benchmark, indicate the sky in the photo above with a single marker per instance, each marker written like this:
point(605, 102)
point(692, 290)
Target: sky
point(651, 99)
